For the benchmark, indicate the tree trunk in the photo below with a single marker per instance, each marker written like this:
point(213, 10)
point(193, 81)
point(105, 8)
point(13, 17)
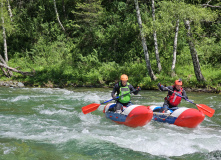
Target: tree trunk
point(175, 49)
point(64, 10)
point(193, 52)
point(2, 60)
point(4, 34)
point(5, 61)
point(20, 3)
point(5, 73)
point(150, 71)
point(207, 5)
point(9, 10)
point(15, 70)
point(57, 15)
point(155, 39)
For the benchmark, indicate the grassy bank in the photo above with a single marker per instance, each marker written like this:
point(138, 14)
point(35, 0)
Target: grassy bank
point(106, 74)
point(99, 43)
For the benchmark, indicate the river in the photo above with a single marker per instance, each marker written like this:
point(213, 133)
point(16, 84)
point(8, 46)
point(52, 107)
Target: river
point(47, 124)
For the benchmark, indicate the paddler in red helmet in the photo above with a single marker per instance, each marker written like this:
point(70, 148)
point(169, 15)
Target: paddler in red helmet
point(172, 100)
point(123, 87)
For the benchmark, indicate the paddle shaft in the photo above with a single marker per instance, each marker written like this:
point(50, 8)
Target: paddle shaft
point(94, 106)
point(119, 96)
point(178, 94)
point(185, 98)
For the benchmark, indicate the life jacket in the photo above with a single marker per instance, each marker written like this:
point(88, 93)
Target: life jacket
point(174, 100)
point(124, 90)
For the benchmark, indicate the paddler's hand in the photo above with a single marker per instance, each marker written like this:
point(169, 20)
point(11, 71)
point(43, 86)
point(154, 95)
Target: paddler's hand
point(138, 89)
point(159, 85)
point(185, 97)
point(114, 97)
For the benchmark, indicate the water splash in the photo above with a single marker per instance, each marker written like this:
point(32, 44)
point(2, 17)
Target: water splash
point(54, 117)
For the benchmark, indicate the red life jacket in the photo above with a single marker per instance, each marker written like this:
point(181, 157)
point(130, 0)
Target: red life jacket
point(173, 99)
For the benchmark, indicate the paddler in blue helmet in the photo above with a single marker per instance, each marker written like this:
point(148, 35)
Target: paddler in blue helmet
point(123, 87)
point(172, 100)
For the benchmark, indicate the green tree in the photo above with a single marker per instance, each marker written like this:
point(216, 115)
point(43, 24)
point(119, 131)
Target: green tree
point(191, 13)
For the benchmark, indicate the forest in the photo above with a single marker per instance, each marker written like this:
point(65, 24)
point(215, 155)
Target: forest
point(62, 43)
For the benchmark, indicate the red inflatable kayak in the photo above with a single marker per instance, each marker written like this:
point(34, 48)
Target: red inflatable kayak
point(184, 117)
point(132, 116)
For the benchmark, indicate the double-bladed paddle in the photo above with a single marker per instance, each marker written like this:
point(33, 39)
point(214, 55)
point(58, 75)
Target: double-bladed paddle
point(202, 107)
point(94, 106)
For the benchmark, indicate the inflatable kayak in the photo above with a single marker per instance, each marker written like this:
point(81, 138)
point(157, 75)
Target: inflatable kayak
point(132, 116)
point(184, 117)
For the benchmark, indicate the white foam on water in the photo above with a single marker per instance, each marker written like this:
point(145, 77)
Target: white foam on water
point(89, 119)
point(6, 149)
point(155, 103)
point(54, 112)
point(48, 90)
point(164, 141)
point(92, 98)
point(58, 123)
point(18, 98)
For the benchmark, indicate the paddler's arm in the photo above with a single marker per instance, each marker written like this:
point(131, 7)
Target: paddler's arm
point(184, 94)
point(115, 89)
point(135, 91)
point(162, 88)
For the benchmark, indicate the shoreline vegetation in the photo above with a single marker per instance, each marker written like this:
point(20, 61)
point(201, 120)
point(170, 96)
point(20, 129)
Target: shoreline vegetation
point(61, 44)
point(16, 84)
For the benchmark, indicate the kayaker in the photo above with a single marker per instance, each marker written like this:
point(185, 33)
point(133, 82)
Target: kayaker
point(172, 100)
point(121, 88)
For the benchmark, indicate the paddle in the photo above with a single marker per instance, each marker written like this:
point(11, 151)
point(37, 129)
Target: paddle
point(94, 106)
point(202, 107)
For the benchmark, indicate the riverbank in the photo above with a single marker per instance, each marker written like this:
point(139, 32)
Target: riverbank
point(17, 84)
point(11, 84)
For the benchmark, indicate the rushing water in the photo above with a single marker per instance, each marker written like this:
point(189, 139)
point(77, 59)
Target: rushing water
point(39, 123)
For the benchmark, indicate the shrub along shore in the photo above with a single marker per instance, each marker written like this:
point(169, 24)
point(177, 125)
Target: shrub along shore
point(91, 43)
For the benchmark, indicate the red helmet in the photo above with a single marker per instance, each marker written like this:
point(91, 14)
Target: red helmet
point(124, 77)
point(178, 82)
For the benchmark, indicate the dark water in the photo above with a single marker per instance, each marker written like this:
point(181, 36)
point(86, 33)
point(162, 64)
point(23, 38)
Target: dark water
point(48, 124)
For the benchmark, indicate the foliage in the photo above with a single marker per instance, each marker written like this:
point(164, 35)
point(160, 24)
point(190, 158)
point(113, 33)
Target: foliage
point(102, 41)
